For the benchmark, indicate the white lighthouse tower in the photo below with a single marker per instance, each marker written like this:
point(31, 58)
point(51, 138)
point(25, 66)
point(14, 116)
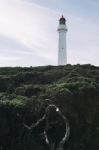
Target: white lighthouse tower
point(62, 29)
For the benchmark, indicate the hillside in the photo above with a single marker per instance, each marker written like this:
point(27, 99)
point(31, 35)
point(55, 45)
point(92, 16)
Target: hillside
point(26, 92)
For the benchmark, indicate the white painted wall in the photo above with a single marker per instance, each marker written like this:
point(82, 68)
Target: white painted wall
point(62, 55)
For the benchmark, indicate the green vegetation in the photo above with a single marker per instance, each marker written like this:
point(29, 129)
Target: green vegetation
point(26, 92)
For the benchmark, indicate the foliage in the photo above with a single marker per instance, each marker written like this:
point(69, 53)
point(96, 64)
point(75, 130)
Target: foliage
point(26, 92)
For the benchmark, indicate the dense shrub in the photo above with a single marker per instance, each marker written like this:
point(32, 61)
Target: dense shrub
point(26, 92)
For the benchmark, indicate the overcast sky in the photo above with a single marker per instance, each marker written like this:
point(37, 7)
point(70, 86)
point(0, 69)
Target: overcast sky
point(28, 31)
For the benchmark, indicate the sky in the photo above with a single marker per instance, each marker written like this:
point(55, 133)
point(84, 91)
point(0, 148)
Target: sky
point(29, 37)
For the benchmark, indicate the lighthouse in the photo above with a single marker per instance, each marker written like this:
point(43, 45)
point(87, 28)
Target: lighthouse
point(62, 29)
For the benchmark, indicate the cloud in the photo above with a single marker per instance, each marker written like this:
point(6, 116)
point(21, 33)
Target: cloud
point(12, 45)
point(24, 23)
point(15, 53)
point(28, 30)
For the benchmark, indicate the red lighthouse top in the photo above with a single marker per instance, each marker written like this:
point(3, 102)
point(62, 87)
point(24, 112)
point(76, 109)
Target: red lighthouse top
point(62, 20)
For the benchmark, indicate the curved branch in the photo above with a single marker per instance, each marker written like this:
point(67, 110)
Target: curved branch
point(65, 138)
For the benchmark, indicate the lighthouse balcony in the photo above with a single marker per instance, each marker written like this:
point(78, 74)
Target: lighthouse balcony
point(62, 28)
